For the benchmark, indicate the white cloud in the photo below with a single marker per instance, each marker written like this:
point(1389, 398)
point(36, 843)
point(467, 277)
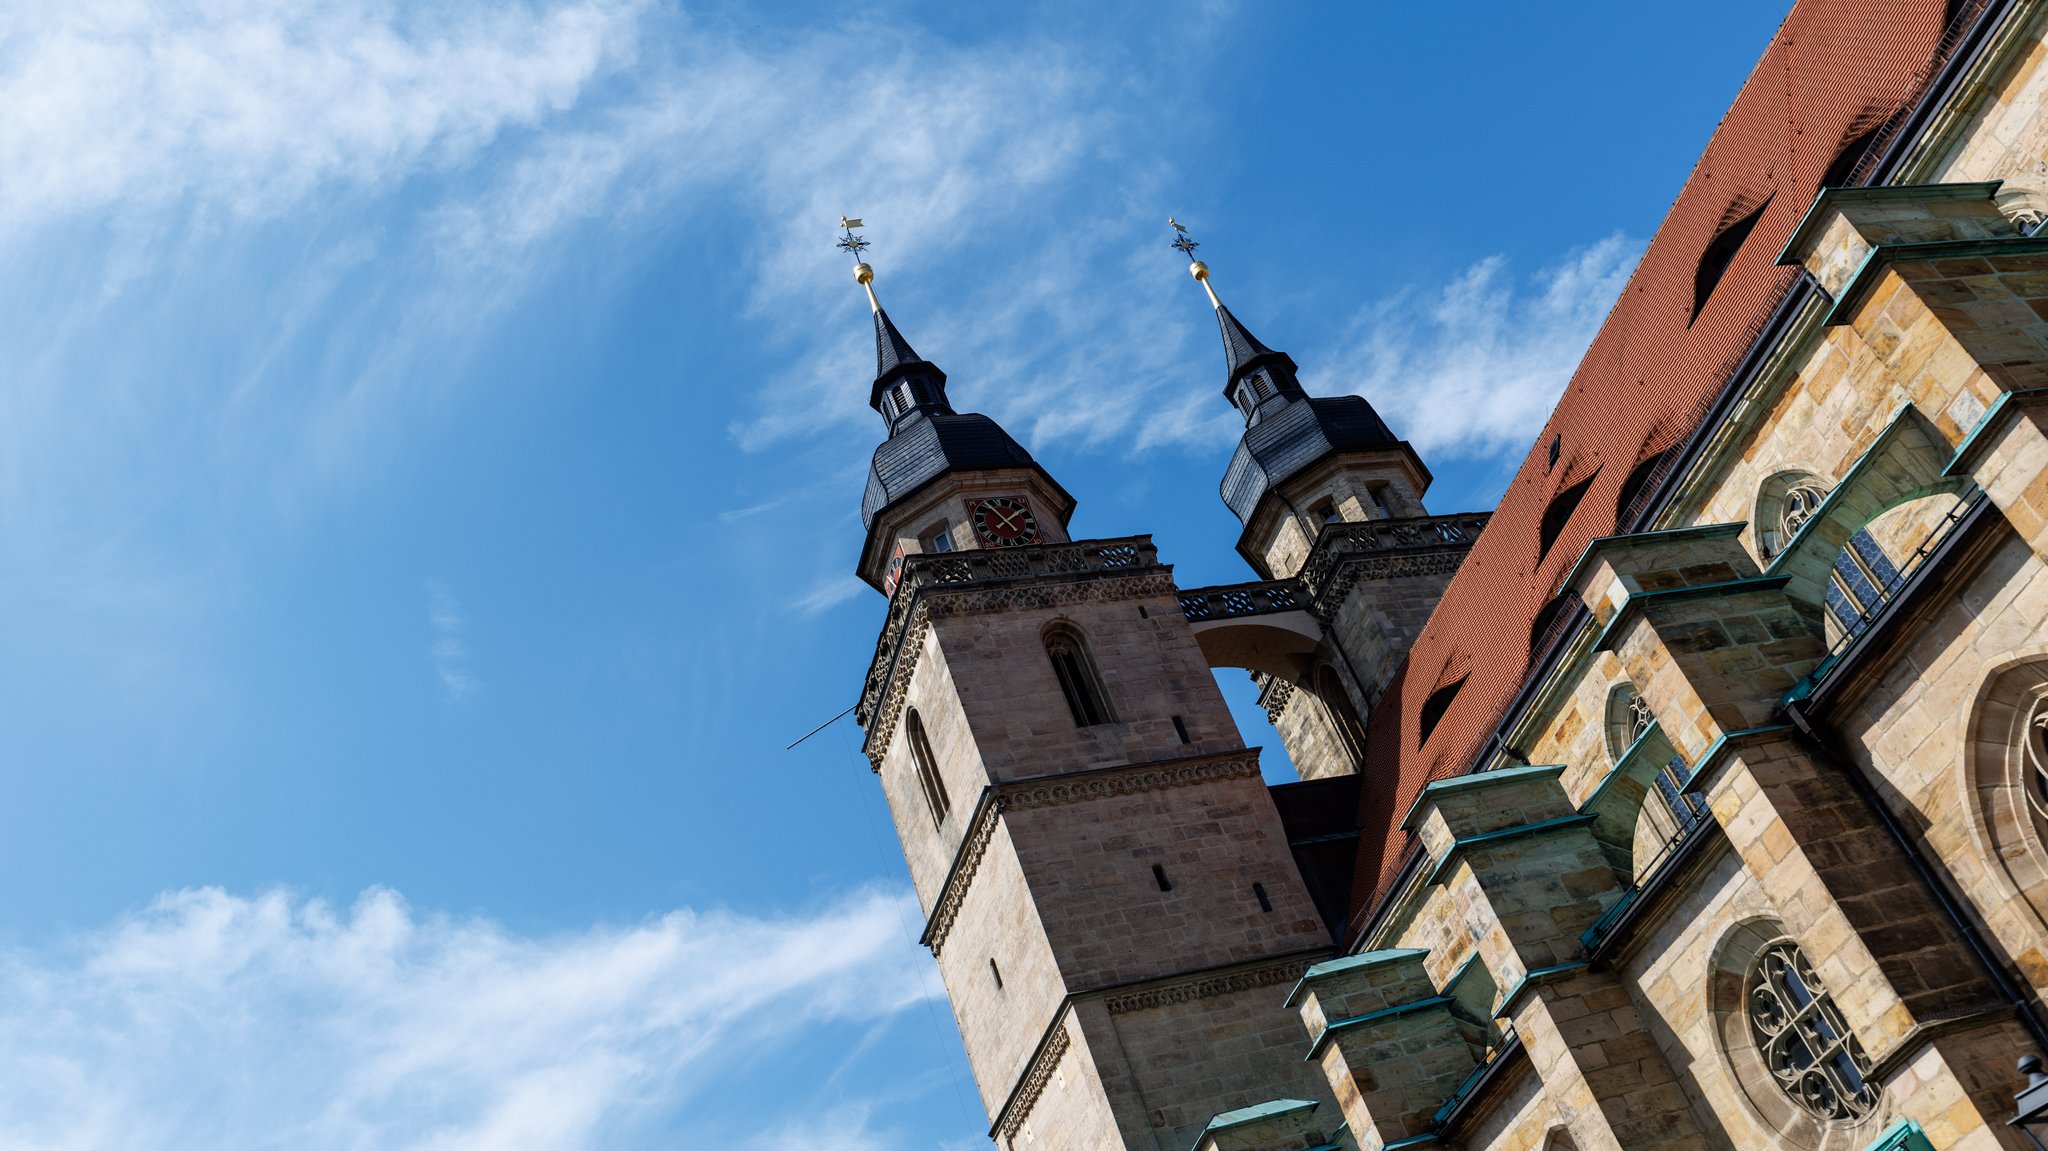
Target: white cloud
point(828, 594)
point(1469, 369)
point(213, 1020)
point(450, 655)
point(247, 105)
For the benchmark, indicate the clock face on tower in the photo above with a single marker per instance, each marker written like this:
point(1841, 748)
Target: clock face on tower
point(1003, 521)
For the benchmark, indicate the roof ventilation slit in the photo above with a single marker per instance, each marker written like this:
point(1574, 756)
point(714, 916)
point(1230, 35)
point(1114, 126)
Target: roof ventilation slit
point(1559, 512)
point(1719, 254)
point(1435, 706)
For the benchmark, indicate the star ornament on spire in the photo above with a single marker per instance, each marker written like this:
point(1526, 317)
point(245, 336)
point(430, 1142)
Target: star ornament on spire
point(1186, 245)
point(851, 242)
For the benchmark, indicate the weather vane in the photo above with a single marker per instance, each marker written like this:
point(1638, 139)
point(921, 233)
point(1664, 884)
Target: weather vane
point(1186, 245)
point(851, 241)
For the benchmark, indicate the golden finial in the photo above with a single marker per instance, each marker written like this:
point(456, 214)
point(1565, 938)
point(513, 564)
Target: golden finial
point(853, 245)
point(1186, 245)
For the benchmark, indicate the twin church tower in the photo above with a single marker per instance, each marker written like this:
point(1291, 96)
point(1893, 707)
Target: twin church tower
point(1117, 900)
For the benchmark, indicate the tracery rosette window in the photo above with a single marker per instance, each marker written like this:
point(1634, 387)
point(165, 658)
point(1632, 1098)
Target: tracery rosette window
point(2034, 762)
point(1802, 1037)
point(1801, 501)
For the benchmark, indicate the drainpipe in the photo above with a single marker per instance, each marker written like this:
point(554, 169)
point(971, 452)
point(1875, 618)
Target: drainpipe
point(1820, 740)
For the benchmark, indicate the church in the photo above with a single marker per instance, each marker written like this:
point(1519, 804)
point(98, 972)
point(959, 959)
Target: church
point(1696, 796)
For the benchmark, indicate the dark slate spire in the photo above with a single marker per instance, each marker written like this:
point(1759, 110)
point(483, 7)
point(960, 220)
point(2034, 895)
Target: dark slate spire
point(1256, 377)
point(905, 382)
point(892, 351)
point(1240, 347)
point(927, 438)
point(1286, 430)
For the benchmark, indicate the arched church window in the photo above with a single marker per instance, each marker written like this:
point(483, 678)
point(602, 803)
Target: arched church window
point(1343, 717)
point(1801, 501)
point(927, 767)
point(1802, 1038)
point(1075, 667)
point(2034, 763)
point(2007, 750)
point(1628, 717)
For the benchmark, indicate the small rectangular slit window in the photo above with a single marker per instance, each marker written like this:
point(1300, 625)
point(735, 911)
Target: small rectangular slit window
point(1159, 876)
point(1265, 903)
point(997, 972)
point(1181, 729)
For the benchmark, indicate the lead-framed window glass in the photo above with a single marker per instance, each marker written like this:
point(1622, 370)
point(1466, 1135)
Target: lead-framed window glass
point(1806, 1045)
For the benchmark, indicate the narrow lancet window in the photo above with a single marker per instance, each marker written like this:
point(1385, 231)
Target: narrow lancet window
point(1078, 680)
point(928, 779)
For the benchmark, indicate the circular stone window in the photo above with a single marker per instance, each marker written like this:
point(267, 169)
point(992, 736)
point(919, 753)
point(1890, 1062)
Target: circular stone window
point(1801, 1037)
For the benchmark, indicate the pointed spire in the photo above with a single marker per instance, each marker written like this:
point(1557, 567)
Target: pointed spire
point(892, 351)
point(1243, 354)
point(905, 382)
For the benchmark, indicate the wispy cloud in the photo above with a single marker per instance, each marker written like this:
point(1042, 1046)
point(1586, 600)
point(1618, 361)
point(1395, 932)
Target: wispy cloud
point(448, 652)
point(828, 594)
point(222, 1021)
point(248, 105)
point(1468, 369)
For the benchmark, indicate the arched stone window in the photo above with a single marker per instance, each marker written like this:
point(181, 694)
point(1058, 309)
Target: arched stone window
point(1628, 717)
point(1343, 716)
point(1783, 506)
point(927, 765)
point(2008, 749)
point(1788, 1044)
point(1863, 575)
point(1075, 667)
point(1804, 1042)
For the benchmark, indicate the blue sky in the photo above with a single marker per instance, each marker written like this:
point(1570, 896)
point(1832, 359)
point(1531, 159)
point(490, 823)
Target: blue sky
point(431, 439)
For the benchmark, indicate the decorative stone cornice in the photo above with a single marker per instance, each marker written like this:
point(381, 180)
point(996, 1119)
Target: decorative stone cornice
point(1054, 791)
point(1207, 987)
point(1042, 1067)
point(1128, 779)
point(1346, 553)
point(966, 862)
point(967, 583)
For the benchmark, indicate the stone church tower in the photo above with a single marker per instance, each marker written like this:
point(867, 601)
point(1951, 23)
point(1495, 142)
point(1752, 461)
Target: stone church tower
point(1110, 890)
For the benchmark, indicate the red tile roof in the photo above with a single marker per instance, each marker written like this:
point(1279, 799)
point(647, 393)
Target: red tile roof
point(1836, 70)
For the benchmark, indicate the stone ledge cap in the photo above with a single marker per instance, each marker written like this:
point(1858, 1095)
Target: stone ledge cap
point(1603, 544)
point(1829, 199)
point(1476, 781)
point(1380, 1016)
point(1883, 256)
point(1633, 606)
point(1540, 827)
point(1361, 961)
point(1964, 458)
